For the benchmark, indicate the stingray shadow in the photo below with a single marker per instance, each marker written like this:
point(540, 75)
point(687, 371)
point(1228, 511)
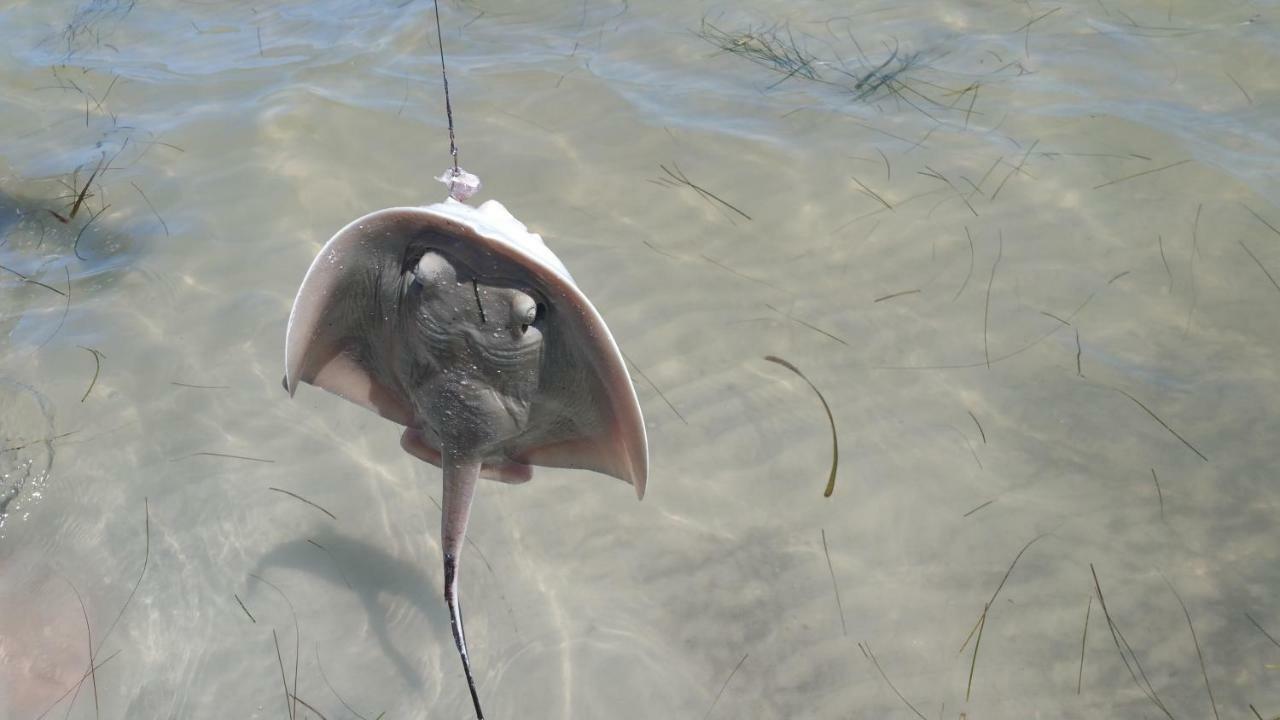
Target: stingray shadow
point(371, 573)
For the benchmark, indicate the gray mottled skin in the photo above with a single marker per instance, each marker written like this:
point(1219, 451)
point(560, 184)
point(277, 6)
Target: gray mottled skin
point(468, 364)
point(470, 359)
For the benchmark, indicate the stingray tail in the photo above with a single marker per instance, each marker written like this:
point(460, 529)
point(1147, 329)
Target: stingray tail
point(459, 487)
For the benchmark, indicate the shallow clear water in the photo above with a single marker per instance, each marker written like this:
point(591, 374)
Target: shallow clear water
point(1025, 251)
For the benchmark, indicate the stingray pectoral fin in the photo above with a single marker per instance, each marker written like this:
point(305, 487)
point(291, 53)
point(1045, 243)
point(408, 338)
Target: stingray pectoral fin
point(459, 487)
point(512, 473)
point(339, 317)
point(344, 377)
point(608, 455)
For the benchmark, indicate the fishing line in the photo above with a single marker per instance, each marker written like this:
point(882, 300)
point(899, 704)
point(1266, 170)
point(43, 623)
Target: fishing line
point(448, 107)
point(462, 184)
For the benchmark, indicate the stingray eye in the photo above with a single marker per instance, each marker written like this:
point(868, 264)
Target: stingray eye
point(433, 269)
point(525, 312)
point(533, 317)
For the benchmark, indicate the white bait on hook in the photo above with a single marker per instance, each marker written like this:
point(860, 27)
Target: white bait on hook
point(462, 184)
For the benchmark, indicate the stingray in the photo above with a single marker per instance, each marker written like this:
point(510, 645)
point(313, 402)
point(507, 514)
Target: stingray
point(459, 324)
